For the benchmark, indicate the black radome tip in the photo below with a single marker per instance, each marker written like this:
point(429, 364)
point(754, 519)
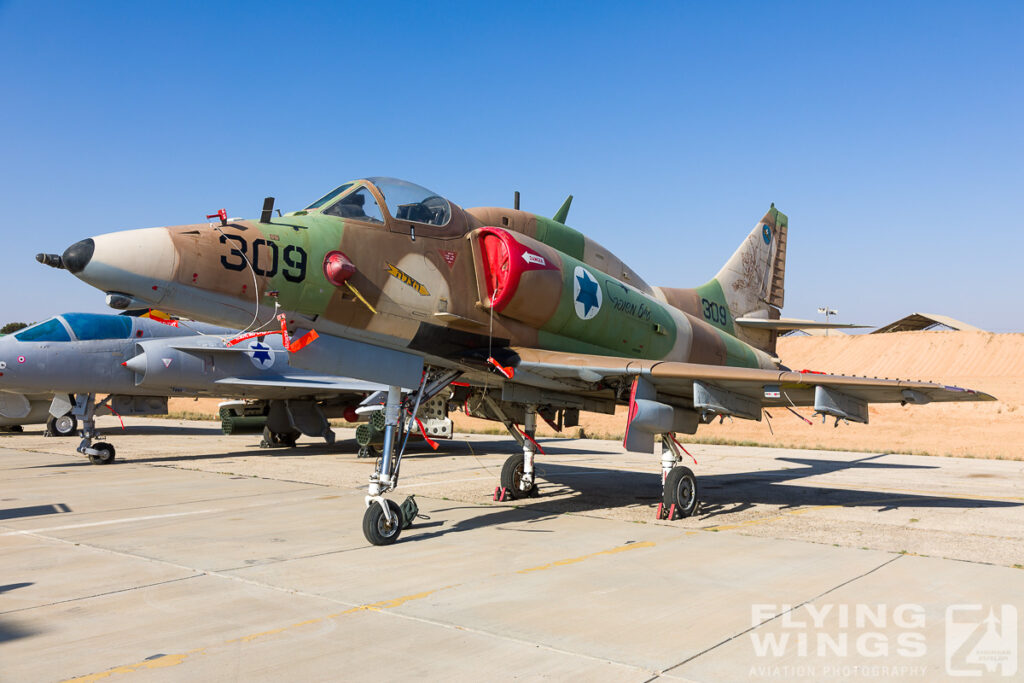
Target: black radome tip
point(77, 256)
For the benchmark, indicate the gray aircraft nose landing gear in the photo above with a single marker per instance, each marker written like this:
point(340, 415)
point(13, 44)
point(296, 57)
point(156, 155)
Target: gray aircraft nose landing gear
point(383, 520)
point(99, 453)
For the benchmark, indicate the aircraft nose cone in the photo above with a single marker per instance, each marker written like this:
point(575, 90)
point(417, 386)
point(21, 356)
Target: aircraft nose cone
point(134, 263)
point(77, 256)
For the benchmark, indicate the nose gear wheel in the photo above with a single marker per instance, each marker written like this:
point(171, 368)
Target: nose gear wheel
point(377, 529)
point(104, 453)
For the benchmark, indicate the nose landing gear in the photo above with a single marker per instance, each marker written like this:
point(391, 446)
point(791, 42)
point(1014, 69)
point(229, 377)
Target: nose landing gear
point(101, 452)
point(383, 521)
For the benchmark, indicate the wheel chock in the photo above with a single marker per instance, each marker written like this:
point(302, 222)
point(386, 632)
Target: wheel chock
point(499, 493)
point(660, 511)
point(672, 512)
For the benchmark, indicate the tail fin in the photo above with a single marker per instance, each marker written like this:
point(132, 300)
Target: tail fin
point(752, 281)
point(754, 278)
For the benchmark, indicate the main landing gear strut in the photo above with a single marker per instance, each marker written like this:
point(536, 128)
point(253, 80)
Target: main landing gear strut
point(101, 452)
point(518, 476)
point(382, 521)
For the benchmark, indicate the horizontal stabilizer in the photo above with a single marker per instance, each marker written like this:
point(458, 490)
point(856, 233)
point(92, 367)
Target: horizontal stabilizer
point(786, 324)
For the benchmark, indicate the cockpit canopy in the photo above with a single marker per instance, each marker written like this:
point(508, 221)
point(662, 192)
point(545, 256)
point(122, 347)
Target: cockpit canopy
point(84, 326)
point(403, 201)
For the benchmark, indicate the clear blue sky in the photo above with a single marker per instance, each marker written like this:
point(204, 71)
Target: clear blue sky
point(891, 133)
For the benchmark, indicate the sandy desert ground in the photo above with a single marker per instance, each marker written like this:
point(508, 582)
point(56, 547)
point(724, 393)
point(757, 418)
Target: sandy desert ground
point(988, 362)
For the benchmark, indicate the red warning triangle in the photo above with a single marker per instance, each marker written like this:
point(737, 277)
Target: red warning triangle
point(449, 257)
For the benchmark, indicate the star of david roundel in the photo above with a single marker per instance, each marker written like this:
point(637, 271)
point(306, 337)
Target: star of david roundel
point(261, 355)
point(586, 293)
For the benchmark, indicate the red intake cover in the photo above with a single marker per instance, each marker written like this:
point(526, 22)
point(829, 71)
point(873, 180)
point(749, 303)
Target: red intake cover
point(338, 268)
point(505, 261)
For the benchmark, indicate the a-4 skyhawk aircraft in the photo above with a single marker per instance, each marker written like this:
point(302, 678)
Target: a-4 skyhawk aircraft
point(531, 317)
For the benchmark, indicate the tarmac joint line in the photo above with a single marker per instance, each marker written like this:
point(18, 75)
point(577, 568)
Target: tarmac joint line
point(780, 614)
point(164, 661)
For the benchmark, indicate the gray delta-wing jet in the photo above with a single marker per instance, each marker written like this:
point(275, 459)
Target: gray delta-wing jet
point(62, 364)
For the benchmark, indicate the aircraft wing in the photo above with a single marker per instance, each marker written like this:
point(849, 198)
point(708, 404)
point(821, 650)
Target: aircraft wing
point(790, 324)
point(311, 382)
point(760, 388)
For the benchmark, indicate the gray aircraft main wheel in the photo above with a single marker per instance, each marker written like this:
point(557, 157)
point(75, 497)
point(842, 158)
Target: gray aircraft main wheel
point(106, 454)
point(681, 491)
point(512, 479)
point(280, 439)
point(65, 425)
point(376, 528)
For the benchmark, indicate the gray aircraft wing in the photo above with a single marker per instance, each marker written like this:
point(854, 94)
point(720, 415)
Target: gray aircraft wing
point(676, 397)
point(678, 379)
point(311, 382)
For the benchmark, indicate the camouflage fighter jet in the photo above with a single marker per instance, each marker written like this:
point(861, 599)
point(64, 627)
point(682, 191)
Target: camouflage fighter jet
point(405, 288)
point(139, 362)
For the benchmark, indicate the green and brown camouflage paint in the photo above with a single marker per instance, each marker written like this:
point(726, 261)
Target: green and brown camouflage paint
point(424, 284)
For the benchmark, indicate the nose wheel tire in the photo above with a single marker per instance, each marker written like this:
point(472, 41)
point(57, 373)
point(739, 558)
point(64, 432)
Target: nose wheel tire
point(512, 479)
point(681, 491)
point(376, 527)
point(65, 425)
point(105, 455)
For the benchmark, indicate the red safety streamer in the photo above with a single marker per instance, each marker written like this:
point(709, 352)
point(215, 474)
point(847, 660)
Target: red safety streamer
point(423, 433)
point(160, 319)
point(532, 440)
point(118, 417)
point(676, 442)
point(290, 345)
point(508, 372)
point(303, 341)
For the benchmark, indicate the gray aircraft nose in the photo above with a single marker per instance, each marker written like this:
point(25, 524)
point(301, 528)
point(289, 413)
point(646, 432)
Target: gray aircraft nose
point(77, 256)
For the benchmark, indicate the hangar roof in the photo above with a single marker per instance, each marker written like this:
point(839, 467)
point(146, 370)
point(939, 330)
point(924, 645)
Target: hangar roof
point(926, 321)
